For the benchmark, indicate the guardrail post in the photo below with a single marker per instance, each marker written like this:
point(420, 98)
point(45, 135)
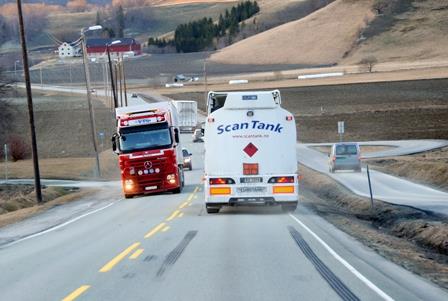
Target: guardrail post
point(370, 188)
point(6, 161)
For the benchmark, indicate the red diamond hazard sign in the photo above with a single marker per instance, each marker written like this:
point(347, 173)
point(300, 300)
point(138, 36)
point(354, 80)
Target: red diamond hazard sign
point(250, 149)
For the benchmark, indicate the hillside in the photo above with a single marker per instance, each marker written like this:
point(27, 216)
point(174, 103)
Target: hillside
point(417, 34)
point(347, 31)
point(321, 38)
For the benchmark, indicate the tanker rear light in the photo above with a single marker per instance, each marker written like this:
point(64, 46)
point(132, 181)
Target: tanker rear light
point(210, 119)
point(281, 180)
point(283, 189)
point(221, 181)
point(289, 118)
point(220, 190)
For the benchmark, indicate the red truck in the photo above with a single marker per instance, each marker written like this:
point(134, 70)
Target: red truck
point(150, 154)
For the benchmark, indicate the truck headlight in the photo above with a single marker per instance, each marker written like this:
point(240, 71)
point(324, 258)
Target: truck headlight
point(171, 178)
point(128, 185)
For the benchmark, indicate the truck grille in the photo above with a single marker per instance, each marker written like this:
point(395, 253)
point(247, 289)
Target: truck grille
point(150, 179)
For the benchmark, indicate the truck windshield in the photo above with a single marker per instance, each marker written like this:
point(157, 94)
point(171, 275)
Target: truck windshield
point(145, 138)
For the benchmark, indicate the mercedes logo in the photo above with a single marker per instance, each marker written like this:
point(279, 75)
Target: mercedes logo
point(148, 164)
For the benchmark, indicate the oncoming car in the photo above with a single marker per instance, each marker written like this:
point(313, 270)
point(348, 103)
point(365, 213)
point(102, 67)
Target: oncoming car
point(345, 156)
point(187, 159)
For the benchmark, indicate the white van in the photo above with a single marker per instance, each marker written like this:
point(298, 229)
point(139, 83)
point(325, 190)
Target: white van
point(250, 151)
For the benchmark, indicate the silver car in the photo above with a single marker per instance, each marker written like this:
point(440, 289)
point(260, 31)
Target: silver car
point(345, 156)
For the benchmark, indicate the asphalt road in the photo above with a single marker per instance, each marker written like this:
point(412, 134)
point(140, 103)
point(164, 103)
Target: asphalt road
point(165, 247)
point(385, 187)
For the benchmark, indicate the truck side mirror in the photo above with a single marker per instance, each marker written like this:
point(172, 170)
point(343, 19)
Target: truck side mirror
point(176, 135)
point(114, 143)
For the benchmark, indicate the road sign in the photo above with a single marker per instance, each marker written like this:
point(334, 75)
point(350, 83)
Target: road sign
point(340, 127)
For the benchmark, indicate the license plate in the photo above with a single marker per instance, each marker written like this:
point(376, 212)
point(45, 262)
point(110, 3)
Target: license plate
point(151, 188)
point(251, 189)
point(251, 180)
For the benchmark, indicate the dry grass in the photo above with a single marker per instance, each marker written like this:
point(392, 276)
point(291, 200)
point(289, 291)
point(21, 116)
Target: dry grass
point(179, 2)
point(430, 168)
point(418, 35)
point(66, 168)
point(321, 38)
point(411, 238)
point(33, 209)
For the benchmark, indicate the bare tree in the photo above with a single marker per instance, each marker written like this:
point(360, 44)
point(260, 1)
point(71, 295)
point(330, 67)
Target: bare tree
point(369, 62)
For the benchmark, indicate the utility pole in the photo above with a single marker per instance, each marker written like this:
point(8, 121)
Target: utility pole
point(205, 79)
point(124, 83)
point(29, 96)
point(112, 81)
point(70, 74)
point(118, 82)
point(89, 98)
point(120, 76)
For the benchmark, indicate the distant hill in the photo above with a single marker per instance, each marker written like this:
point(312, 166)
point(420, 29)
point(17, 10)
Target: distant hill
point(321, 38)
point(58, 2)
point(348, 32)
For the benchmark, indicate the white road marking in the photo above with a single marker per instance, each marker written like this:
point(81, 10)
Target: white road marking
point(344, 263)
point(57, 227)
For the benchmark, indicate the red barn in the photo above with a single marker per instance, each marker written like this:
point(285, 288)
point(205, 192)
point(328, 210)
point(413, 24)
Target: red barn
point(97, 47)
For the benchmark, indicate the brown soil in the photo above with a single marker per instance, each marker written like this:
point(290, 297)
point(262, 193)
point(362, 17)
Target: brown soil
point(371, 111)
point(17, 202)
point(430, 168)
point(414, 239)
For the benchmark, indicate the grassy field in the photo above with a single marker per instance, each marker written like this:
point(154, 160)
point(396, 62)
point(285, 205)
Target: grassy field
point(63, 135)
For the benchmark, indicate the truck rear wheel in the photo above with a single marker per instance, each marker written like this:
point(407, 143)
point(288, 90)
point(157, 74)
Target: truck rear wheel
point(212, 210)
point(289, 207)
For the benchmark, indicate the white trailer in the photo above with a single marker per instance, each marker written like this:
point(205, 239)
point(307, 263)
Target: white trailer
point(250, 151)
point(188, 113)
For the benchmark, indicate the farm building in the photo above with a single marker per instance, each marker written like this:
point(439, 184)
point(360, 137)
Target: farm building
point(67, 50)
point(97, 47)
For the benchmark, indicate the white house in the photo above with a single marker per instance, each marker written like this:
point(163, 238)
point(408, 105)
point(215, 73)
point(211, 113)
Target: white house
point(67, 50)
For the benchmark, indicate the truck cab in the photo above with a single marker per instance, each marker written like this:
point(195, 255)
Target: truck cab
point(149, 151)
point(250, 151)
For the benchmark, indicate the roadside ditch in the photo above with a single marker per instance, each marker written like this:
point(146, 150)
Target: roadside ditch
point(412, 238)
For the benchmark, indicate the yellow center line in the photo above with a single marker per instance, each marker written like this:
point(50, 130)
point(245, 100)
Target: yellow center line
point(196, 189)
point(136, 254)
point(173, 215)
point(184, 204)
point(76, 293)
point(190, 197)
point(155, 230)
point(181, 214)
point(166, 229)
point(108, 266)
